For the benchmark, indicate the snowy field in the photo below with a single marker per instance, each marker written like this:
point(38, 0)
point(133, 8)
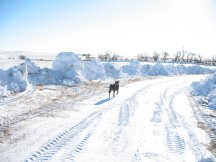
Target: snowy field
point(57, 109)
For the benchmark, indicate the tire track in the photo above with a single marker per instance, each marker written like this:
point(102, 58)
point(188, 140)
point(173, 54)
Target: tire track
point(127, 111)
point(77, 136)
point(119, 143)
point(6, 122)
point(175, 142)
point(54, 145)
point(203, 119)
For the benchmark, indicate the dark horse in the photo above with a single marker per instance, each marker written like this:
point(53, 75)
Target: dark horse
point(114, 87)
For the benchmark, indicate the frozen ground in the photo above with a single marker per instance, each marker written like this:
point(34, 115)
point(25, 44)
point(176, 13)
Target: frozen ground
point(151, 119)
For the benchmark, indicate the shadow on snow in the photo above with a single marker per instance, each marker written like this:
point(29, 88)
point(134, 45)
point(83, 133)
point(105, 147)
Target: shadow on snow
point(103, 101)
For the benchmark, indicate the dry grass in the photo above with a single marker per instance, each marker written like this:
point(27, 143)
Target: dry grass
point(4, 135)
point(201, 125)
point(212, 147)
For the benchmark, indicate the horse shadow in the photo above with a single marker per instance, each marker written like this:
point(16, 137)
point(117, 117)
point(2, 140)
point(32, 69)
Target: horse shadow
point(103, 101)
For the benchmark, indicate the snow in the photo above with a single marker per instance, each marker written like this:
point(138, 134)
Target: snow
point(70, 66)
point(56, 118)
point(207, 89)
point(147, 121)
point(94, 70)
point(68, 69)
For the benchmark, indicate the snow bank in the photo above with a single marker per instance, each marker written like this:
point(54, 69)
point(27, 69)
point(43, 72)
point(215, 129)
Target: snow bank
point(132, 69)
point(94, 70)
point(111, 71)
point(156, 69)
point(207, 89)
point(70, 65)
point(14, 78)
point(68, 69)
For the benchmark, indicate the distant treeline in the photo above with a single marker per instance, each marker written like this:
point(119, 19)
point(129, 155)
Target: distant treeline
point(179, 57)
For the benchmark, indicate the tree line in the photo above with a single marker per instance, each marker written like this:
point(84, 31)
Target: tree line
point(178, 57)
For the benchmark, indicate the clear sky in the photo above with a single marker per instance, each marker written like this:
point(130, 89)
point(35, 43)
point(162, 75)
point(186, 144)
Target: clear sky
point(126, 27)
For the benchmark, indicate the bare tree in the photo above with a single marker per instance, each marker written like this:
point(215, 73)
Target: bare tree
point(213, 60)
point(200, 59)
point(105, 57)
point(143, 57)
point(177, 57)
point(165, 56)
point(115, 57)
point(156, 56)
point(101, 57)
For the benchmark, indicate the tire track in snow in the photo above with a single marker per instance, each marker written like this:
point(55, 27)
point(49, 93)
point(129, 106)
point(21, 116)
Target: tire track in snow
point(49, 149)
point(175, 142)
point(127, 110)
point(119, 143)
point(156, 118)
point(79, 131)
point(6, 122)
point(203, 119)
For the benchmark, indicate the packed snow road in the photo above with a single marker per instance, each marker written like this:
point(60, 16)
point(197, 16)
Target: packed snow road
point(149, 120)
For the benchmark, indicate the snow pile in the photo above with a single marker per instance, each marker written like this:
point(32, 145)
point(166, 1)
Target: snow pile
point(31, 67)
point(14, 78)
point(111, 71)
point(171, 69)
point(94, 70)
point(132, 69)
point(46, 76)
point(68, 69)
point(207, 89)
point(156, 69)
point(70, 65)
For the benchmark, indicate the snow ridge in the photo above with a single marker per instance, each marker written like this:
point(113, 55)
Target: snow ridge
point(68, 69)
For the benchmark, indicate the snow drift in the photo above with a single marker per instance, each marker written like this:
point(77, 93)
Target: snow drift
point(68, 69)
point(207, 90)
point(70, 66)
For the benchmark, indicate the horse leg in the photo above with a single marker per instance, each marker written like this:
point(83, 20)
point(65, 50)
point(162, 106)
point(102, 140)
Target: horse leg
point(113, 93)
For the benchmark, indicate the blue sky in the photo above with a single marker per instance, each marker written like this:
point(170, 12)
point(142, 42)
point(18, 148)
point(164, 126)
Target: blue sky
point(127, 27)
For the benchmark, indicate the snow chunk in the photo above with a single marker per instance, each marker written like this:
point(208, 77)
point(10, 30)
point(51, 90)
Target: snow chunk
point(32, 68)
point(70, 65)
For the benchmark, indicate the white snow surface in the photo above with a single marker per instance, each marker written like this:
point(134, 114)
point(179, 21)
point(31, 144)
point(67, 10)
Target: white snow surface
point(146, 121)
